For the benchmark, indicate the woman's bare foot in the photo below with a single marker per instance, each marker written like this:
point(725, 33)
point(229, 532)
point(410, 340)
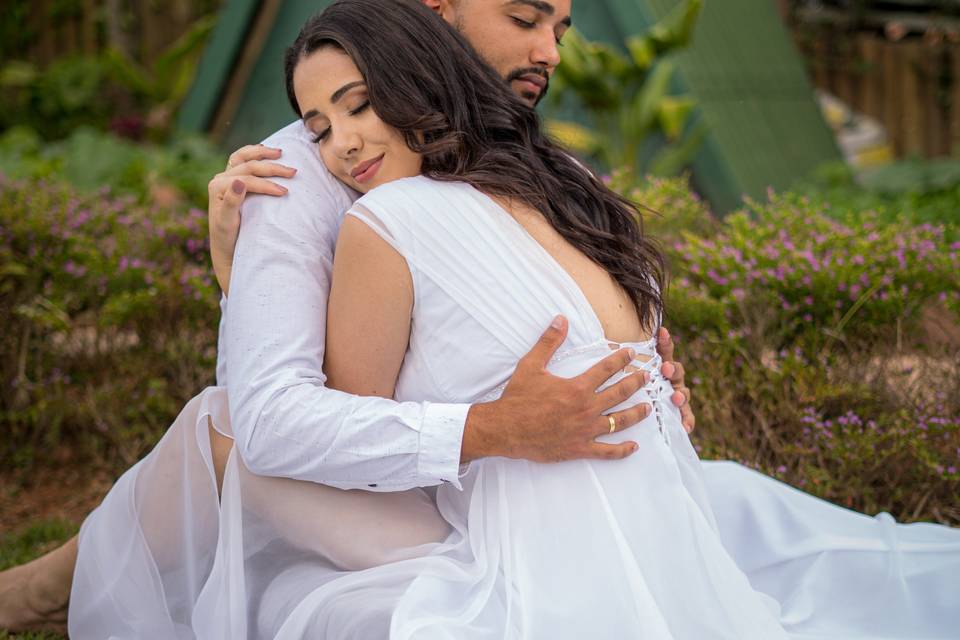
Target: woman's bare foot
point(34, 596)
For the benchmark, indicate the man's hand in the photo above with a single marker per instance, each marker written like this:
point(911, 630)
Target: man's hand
point(247, 170)
point(673, 371)
point(546, 418)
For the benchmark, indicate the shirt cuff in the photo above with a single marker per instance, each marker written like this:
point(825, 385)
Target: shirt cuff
point(441, 438)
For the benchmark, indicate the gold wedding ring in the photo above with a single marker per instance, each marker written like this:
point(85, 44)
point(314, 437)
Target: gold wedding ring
point(613, 424)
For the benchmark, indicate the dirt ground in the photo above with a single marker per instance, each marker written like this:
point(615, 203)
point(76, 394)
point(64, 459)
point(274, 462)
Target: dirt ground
point(63, 493)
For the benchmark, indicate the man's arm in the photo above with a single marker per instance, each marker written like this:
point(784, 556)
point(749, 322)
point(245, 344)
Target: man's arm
point(285, 421)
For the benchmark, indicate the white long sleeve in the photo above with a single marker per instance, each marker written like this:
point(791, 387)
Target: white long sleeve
point(286, 422)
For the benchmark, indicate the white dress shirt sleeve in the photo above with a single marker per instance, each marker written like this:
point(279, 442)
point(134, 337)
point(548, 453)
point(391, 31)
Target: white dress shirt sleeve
point(222, 344)
point(285, 421)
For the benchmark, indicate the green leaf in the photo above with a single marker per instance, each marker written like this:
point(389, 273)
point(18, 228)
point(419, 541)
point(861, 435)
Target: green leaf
point(13, 269)
point(641, 115)
point(675, 30)
point(573, 136)
point(673, 115)
point(17, 74)
point(642, 50)
point(671, 160)
point(45, 313)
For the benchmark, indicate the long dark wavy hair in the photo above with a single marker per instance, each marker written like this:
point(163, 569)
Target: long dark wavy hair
point(427, 82)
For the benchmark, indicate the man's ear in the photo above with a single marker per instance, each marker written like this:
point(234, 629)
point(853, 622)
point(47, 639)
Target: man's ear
point(442, 8)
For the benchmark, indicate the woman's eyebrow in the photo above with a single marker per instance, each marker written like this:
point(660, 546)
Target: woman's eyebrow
point(342, 90)
point(339, 93)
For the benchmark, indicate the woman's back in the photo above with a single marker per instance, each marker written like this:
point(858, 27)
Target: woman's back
point(486, 281)
point(611, 304)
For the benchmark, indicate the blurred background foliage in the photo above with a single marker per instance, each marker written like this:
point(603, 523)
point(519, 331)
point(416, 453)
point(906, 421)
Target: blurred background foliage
point(636, 121)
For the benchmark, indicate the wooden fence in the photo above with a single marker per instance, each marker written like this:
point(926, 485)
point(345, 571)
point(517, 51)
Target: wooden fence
point(912, 86)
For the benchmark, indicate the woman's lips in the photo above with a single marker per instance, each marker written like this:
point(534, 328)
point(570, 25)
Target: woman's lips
point(364, 171)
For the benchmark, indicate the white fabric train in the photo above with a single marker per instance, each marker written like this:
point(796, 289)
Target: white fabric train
point(657, 546)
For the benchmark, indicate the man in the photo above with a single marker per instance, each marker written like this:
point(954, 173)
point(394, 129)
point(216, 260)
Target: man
point(286, 423)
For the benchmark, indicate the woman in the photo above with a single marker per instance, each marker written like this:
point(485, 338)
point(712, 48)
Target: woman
point(452, 274)
point(471, 258)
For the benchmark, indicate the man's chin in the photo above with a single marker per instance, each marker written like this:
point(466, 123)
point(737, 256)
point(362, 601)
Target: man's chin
point(530, 98)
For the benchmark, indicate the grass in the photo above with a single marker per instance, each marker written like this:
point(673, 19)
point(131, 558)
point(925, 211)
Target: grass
point(27, 544)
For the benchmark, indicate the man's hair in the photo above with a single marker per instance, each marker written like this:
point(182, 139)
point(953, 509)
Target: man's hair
point(427, 82)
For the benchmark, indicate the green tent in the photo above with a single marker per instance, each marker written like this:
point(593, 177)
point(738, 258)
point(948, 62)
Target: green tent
point(749, 82)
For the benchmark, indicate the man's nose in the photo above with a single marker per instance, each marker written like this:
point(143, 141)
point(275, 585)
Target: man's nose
point(546, 53)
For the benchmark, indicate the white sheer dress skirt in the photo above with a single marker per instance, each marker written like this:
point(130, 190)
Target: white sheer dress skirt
point(517, 554)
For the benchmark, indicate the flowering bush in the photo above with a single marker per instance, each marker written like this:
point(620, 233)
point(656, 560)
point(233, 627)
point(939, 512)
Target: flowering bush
point(109, 316)
point(822, 351)
point(848, 282)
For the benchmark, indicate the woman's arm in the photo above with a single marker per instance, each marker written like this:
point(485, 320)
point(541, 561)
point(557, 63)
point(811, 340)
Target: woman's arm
point(368, 316)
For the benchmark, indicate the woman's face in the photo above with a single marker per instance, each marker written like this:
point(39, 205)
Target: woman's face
point(357, 147)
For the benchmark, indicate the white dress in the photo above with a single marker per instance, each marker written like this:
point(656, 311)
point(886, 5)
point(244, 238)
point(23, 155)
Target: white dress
point(656, 546)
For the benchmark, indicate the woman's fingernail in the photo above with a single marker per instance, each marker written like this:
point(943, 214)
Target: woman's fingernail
point(237, 186)
point(632, 353)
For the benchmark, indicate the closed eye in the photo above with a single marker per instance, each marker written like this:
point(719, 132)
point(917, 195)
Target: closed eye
point(363, 106)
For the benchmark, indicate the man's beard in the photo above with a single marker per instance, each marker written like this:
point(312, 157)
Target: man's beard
point(518, 74)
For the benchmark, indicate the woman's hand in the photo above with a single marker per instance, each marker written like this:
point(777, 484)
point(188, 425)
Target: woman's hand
point(247, 170)
point(673, 371)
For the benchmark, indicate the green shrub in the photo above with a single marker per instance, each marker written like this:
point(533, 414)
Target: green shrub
point(88, 159)
point(918, 191)
point(109, 316)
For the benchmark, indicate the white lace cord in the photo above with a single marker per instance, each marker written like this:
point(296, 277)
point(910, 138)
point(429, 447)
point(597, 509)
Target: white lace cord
point(655, 391)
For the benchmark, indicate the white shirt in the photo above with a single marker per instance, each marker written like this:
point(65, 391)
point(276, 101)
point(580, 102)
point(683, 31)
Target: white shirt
point(285, 421)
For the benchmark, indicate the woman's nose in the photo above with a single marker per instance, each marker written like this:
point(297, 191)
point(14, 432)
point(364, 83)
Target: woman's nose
point(347, 144)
